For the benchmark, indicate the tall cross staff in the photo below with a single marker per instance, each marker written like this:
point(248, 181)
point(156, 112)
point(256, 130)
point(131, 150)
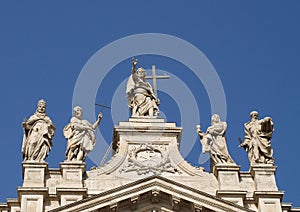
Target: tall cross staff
point(154, 77)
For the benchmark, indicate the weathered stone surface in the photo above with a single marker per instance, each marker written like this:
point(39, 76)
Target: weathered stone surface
point(146, 172)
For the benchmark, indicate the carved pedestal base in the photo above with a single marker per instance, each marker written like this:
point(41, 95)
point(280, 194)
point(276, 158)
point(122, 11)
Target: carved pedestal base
point(33, 193)
point(266, 193)
point(72, 174)
point(264, 177)
point(32, 199)
point(71, 189)
point(229, 185)
point(227, 175)
point(34, 173)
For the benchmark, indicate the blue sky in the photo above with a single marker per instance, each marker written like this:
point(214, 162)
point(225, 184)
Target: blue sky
point(253, 47)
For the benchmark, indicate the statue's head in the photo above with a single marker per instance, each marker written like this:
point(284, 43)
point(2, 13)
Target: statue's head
point(141, 73)
point(215, 118)
point(41, 106)
point(254, 114)
point(77, 112)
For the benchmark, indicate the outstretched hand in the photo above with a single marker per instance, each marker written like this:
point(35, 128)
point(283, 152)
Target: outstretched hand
point(24, 124)
point(100, 116)
point(134, 62)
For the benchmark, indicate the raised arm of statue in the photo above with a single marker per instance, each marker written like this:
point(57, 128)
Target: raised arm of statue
point(134, 64)
point(96, 124)
point(199, 131)
point(80, 136)
point(139, 93)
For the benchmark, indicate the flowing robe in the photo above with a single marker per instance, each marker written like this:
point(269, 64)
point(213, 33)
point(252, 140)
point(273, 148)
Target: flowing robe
point(81, 139)
point(214, 142)
point(140, 96)
point(257, 140)
point(37, 139)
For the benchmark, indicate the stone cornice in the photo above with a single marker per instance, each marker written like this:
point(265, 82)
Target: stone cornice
point(147, 185)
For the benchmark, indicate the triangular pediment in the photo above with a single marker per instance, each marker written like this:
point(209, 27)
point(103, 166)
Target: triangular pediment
point(152, 194)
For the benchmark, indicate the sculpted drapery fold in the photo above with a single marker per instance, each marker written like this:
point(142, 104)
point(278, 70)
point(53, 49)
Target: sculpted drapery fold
point(38, 133)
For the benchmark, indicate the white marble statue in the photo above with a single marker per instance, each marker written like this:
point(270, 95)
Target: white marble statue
point(80, 136)
point(257, 139)
point(38, 133)
point(141, 98)
point(214, 141)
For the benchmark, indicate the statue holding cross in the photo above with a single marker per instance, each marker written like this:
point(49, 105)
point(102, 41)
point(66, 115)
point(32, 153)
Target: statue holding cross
point(142, 100)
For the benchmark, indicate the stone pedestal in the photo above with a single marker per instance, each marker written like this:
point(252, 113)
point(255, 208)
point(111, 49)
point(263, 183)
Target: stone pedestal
point(227, 175)
point(268, 201)
point(237, 197)
point(33, 193)
point(266, 193)
point(264, 177)
point(70, 195)
point(32, 199)
point(34, 173)
point(229, 185)
point(144, 146)
point(71, 189)
point(72, 174)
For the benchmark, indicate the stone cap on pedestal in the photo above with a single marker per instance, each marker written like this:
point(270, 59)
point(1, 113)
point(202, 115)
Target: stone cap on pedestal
point(262, 168)
point(73, 165)
point(225, 167)
point(268, 194)
point(32, 191)
point(137, 127)
point(33, 165)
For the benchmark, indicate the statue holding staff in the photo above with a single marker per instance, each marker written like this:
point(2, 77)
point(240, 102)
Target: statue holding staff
point(141, 99)
point(38, 133)
point(80, 135)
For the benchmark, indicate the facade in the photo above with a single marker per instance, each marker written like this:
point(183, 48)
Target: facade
point(147, 173)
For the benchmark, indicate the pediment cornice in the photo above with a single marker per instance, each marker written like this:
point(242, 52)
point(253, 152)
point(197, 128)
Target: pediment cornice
point(154, 189)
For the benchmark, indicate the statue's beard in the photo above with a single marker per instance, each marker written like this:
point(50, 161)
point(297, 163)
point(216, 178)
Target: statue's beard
point(40, 114)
